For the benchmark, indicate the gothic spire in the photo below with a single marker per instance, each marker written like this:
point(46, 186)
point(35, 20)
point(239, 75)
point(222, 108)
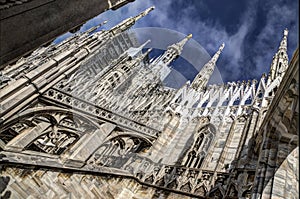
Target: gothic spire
point(174, 50)
point(145, 54)
point(137, 60)
point(180, 44)
point(128, 23)
point(203, 76)
point(280, 60)
point(134, 51)
point(161, 64)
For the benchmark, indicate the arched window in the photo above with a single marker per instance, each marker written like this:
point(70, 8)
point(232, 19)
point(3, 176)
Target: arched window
point(185, 103)
point(236, 101)
point(202, 141)
point(279, 67)
point(275, 89)
point(178, 100)
point(191, 157)
point(199, 141)
point(196, 104)
point(248, 101)
point(225, 102)
point(215, 103)
point(204, 104)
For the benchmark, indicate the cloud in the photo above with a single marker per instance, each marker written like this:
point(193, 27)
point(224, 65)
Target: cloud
point(279, 17)
point(211, 34)
point(251, 38)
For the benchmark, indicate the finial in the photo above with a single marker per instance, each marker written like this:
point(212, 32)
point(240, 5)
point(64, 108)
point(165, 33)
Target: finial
point(220, 49)
point(144, 44)
point(283, 43)
point(143, 55)
point(285, 32)
point(217, 54)
point(222, 46)
point(148, 51)
point(147, 11)
point(181, 43)
point(142, 14)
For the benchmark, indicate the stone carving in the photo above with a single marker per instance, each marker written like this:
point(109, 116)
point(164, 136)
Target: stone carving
point(54, 142)
point(97, 104)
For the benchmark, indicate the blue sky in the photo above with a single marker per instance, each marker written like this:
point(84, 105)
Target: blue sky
point(251, 30)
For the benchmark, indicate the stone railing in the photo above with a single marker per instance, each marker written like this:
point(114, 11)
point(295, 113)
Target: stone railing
point(100, 113)
point(191, 181)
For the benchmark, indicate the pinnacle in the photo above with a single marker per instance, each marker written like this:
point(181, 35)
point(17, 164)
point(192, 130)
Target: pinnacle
point(145, 54)
point(217, 54)
point(181, 43)
point(285, 32)
point(144, 44)
point(283, 43)
point(147, 11)
point(222, 46)
point(205, 73)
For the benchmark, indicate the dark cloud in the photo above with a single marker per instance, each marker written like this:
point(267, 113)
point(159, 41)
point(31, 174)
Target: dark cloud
point(251, 30)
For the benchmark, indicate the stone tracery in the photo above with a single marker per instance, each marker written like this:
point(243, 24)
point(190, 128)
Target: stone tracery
point(99, 104)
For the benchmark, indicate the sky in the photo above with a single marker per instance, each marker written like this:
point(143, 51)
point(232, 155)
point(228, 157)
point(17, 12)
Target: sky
point(251, 30)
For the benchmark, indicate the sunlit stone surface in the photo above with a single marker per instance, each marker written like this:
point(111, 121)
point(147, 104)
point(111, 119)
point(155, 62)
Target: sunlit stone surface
point(92, 117)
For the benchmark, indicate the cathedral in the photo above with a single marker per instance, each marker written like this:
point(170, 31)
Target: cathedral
point(91, 117)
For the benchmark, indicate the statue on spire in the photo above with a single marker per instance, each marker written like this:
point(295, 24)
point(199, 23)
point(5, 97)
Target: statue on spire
point(205, 73)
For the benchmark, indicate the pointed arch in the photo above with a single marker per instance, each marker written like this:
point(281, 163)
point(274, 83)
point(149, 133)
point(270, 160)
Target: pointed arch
point(203, 139)
point(48, 126)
